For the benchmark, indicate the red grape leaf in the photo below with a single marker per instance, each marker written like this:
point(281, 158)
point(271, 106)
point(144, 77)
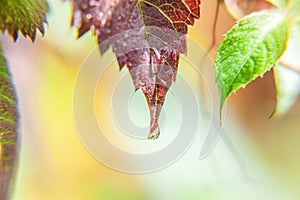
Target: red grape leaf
point(147, 36)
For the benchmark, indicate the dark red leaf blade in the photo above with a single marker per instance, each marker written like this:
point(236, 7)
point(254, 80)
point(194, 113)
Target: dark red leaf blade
point(147, 36)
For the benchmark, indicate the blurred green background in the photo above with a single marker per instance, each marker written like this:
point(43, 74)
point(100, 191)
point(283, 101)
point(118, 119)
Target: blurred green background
point(256, 158)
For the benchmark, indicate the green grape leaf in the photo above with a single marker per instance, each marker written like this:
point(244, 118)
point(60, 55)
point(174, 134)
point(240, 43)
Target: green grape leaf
point(251, 48)
point(8, 129)
point(23, 15)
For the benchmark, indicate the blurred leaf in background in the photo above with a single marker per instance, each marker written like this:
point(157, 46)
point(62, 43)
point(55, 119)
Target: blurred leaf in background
point(24, 16)
point(8, 129)
point(287, 78)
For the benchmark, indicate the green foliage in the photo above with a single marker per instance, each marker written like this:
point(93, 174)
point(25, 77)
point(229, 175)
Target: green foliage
point(252, 47)
point(297, 29)
point(8, 128)
point(23, 15)
point(294, 8)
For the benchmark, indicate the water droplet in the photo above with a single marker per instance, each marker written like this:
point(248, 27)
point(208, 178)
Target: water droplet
point(88, 16)
point(154, 114)
point(92, 2)
point(112, 4)
point(100, 14)
point(77, 18)
point(98, 3)
point(84, 5)
point(154, 134)
point(103, 20)
point(97, 31)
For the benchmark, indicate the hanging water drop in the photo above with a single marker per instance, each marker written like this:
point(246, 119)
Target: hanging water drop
point(88, 17)
point(154, 134)
point(92, 2)
point(155, 109)
point(84, 5)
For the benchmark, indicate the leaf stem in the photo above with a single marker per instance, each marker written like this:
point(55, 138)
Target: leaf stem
point(214, 29)
point(284, 64)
